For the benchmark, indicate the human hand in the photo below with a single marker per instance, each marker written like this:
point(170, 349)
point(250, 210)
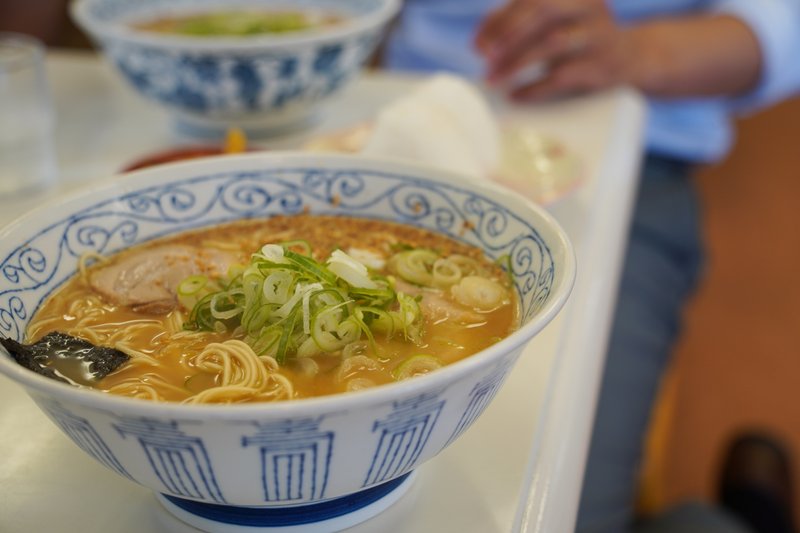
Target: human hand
point(577, 42)
point(581, 48)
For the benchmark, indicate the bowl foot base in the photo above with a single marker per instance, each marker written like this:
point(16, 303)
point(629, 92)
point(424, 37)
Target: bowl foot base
point(330, 515)
point(258, 128)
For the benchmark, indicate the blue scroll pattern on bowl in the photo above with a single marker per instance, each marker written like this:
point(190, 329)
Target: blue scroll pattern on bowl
point(33, 270)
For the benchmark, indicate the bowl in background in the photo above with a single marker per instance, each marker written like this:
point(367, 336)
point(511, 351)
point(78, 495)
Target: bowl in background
point(264, 84)
point(329, 461)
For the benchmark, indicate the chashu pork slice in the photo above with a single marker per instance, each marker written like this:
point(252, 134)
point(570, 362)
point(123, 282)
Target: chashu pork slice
point(148, 280)
point(437, 308)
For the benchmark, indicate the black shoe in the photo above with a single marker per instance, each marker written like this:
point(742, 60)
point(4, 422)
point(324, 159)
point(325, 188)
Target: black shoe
point(755, 483)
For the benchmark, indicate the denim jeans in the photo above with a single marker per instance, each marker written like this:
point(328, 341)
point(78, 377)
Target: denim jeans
point(662, 264)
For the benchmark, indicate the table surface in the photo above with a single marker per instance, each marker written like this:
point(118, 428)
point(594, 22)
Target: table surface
point(520, 466)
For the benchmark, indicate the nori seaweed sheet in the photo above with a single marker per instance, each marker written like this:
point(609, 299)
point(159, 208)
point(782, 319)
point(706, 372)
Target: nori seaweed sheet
point(101, 360)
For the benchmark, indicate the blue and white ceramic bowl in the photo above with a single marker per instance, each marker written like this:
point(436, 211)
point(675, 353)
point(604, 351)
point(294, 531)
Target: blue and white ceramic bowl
point(261, 83)
point(291, 463)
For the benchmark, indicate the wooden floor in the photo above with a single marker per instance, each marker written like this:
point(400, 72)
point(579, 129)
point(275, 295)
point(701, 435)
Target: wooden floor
point(738, 362)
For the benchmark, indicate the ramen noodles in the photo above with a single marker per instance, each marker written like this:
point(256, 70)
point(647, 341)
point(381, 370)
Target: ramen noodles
point(282, 308)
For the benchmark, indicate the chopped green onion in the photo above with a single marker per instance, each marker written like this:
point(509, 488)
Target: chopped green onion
point(416, 365)
point(277, 286)
point(192, 289)
point(303, 245)
point(414, 266)
point(223, 306)
point(311, 267)
point(350, 270)
point(355, 348)
point(408, 317)
point(379, 320)
point(192, 285)
point(284, 303)
point(273, 253)
point(445, 272)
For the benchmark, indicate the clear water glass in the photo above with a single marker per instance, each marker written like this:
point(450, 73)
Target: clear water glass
point(27, 152)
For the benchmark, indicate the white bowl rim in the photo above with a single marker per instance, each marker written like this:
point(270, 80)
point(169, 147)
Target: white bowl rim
point(300, 406)
point(79, 10)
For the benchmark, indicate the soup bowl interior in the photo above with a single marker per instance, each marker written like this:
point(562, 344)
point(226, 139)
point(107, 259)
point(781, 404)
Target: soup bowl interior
point(263, 83)
point(297, 452)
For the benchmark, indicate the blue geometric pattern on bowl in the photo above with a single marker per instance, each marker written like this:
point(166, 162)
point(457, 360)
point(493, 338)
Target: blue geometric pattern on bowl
point(33, 270)
point(294, 454)
point(295, 457)
point(480, 397)
point(180, 461)
point(403, 435)
point(85, 436)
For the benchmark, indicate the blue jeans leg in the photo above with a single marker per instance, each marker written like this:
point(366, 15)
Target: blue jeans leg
point(662, 263)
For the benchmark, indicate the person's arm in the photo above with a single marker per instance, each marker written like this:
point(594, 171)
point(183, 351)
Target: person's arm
point(701, 55)
point(584, 49)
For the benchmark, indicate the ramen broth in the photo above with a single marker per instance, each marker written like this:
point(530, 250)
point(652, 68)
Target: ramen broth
point(163, 351)
point(232, 23)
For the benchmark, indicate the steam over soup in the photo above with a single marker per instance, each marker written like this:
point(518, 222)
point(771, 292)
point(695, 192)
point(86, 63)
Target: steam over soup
point(239, 23)
point(327, 305)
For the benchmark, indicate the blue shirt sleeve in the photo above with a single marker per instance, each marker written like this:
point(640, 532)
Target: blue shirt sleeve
point(776, 24)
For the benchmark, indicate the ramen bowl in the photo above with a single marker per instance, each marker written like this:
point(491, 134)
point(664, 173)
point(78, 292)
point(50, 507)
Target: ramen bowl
point(328, 461)
point(262, 83)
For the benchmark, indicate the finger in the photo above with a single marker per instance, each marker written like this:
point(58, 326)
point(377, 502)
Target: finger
point(496, 24)
point(559, 44)
point(571, 77)
point(524, 22)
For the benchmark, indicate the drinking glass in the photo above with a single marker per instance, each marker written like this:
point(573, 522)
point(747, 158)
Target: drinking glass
point(27, 154)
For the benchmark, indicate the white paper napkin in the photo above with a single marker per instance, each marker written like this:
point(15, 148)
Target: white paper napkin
point(446, 122)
